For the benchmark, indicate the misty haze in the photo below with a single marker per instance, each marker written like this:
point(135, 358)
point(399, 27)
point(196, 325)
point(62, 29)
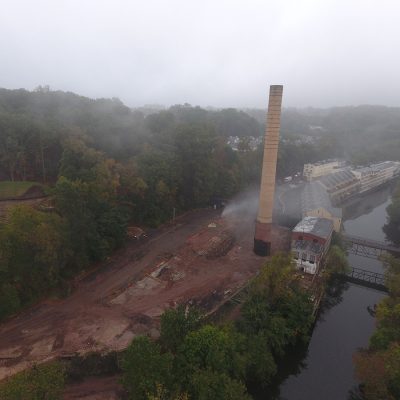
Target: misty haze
point(199, 200)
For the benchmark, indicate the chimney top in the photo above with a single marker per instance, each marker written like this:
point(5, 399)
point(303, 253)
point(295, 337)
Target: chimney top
point(276, 87)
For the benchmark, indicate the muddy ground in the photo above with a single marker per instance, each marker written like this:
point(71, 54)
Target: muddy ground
point(188, 262)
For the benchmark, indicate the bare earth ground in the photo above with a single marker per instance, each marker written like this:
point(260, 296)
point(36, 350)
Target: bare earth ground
point(128, 293)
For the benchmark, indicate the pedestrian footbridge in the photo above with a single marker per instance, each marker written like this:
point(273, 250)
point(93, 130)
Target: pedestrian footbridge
point(369, 248)
point(366, 278)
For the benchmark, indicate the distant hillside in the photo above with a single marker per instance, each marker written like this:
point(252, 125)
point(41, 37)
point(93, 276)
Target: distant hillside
point(365, 133)
point(34, 126)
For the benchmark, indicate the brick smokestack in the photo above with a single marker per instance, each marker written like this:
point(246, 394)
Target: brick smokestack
point(263, 239)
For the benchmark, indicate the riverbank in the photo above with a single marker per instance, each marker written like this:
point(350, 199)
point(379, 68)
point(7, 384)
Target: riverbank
point(325, 369)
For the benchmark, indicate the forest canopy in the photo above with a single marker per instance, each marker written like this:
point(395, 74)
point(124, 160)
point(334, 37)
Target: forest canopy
point(105, 166)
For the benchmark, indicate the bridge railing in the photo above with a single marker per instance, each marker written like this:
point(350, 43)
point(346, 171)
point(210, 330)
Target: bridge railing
point(369, 278)
point(357, 240)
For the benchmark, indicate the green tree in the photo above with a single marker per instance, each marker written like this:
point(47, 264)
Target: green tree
point(392, 227)
point(176, 324)
point(261, 366)
point(95, 225)
point(213, 348)
point(9, 300)
point(211, 385)
point(162, 178)
point(195, 145)
point(33, 252)
point(277, 309)
point(162, 394)
point(145, 368)
point(41, 382)
point(378, 367)
point(379, 372)
point(336, 262)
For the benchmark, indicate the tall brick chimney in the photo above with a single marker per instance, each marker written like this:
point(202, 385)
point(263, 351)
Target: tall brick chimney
point(263, 238)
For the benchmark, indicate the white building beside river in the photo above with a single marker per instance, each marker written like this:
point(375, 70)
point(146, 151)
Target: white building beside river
point(376, 174)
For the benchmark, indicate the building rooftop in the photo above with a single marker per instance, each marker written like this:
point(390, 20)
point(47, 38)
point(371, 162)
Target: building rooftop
point(315, 196)
point(320, 227)
point(335, 179)
point(378, 167)
point(329, 161)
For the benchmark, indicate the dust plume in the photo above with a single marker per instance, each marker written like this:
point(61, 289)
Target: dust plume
point(241, 212)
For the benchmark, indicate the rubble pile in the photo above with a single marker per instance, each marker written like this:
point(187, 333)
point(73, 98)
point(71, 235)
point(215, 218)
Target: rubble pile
point(213, 241)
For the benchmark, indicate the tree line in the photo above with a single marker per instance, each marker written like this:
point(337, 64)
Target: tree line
point(392, 226)
point(107, 166)
point(378, 366)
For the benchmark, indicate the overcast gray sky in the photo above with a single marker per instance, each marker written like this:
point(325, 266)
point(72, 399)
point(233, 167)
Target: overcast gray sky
point(205, 52)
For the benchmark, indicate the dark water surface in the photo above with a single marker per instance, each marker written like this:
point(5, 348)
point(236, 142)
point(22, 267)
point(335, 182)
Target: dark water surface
point(325, 371)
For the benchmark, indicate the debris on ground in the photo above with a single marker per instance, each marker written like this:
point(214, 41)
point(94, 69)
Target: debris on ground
point(190, 263)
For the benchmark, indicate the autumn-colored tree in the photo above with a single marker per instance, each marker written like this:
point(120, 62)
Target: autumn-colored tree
point(378, 367)
point(41, 382)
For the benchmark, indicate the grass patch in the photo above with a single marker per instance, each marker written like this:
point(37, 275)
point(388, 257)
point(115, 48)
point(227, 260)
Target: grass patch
point(10, 190)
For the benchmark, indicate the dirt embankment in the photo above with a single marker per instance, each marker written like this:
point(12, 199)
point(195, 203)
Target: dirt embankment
point(200, 260)
point(33, 197)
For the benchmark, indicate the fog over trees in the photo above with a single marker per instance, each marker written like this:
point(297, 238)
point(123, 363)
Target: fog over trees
point(106, 166)
point(125, 114)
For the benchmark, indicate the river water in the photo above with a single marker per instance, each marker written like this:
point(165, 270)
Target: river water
point(324, 369)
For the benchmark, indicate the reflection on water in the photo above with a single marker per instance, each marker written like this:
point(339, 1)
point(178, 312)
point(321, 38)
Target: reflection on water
point(338, 334)
point(297, 359)
point(362, 206)
point(345, 323)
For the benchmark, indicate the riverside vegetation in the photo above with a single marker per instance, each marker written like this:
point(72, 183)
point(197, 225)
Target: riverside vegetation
point(378, 366)
point(195, 359)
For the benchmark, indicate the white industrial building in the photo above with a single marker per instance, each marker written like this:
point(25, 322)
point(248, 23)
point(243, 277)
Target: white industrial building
point(321, 168)
point(376, 174)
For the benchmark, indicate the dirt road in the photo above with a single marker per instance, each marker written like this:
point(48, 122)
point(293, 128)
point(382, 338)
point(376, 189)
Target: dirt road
point(123, 297)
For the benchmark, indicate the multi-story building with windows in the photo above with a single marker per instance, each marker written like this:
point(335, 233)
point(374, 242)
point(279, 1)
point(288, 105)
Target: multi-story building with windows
point(311, 239)
point(313, 171)
point(376, 174)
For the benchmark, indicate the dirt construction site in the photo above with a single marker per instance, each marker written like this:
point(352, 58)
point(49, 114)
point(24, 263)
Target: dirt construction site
point(201, 259)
